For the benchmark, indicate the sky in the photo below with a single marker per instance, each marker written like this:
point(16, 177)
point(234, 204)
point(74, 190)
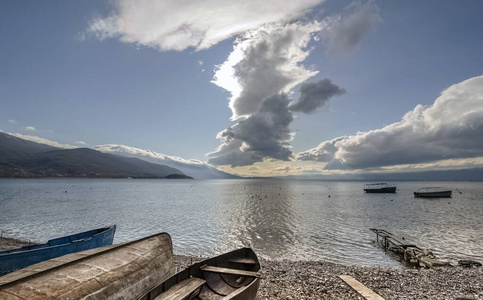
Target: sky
point(254, 88)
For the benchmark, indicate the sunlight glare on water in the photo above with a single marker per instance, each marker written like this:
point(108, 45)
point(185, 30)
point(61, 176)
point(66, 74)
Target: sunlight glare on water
point(280, 219)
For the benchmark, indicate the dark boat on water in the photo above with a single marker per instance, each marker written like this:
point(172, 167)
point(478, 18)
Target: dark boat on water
point(379, 188)
point(122, 271)
point(20, 258)
point(233, 275)
point(433, 192)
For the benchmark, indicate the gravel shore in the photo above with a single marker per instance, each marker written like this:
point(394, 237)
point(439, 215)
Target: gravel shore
point(319, 279)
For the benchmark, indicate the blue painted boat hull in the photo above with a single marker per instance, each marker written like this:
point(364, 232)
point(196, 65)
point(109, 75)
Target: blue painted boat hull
point(20, 258)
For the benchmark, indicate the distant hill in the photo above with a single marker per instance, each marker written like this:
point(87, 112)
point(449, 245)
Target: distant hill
point(191, 167)
point(26, 159)
point(13, 147)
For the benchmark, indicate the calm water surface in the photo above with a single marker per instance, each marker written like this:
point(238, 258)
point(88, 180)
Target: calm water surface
point(280, 219)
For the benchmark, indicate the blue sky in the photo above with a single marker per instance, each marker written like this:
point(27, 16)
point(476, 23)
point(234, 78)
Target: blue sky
point(144, 74)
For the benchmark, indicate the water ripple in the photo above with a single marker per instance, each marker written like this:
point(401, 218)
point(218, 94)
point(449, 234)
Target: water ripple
point(281, 219)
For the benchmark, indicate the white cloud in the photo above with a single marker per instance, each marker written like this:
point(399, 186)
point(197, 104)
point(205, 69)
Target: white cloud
point(177, 25)
point(80, 143)
point(451, 128)
point(263, 67)
point(143, 153)
point(345, 31)
point(29, 128)
point(265, 62)
point(43, 141)
point(11, 121)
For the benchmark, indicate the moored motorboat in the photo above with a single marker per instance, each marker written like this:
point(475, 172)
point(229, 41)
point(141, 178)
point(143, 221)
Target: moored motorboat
point(233, 275)
point(381, 187)
point(433, 192)
point(122, 271)
point(16, 259)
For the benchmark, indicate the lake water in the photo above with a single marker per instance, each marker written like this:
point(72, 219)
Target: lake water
point(280, 219)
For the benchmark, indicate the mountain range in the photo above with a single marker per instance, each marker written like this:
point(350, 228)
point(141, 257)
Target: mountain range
point(26, 159)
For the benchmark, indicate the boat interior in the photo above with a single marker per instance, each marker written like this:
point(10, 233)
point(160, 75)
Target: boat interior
point(222, 277)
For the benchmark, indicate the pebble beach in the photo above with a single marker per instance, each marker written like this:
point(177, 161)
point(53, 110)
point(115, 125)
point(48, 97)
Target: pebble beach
point(320, 279)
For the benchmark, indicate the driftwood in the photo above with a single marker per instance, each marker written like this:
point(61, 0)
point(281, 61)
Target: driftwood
point(359, 288)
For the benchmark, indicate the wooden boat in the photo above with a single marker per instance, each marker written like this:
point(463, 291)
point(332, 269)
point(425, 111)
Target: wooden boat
point(233, 275)
point(20, 258)
point(433, 192)
point(379, 188)
point(123, 271)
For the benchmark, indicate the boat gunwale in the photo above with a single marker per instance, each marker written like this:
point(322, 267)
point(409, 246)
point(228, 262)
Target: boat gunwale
point(385, 184)
point(21, 250)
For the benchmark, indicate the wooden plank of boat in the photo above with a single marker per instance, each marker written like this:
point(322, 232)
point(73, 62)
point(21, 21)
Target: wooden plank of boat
point(20, 258)
point(229, 271)
point(361, 289)
point(182, 289)
point(227, 276)
point(122, 271)
point(248, 261)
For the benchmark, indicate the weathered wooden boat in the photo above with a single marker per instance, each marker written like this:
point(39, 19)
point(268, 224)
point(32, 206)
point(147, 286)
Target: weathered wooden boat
point(233, 275)
point(433, 192)
point(20, 258)
point(381, 187)
point(123, 271)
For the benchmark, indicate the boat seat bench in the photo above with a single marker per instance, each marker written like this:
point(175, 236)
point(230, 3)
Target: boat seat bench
point(248, 261)
point(182, 289)
point(230, 271)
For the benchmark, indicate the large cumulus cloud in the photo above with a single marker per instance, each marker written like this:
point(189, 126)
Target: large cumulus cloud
point(265, 62)
point(265, 65)
point(264, 134)
point(450, 128)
